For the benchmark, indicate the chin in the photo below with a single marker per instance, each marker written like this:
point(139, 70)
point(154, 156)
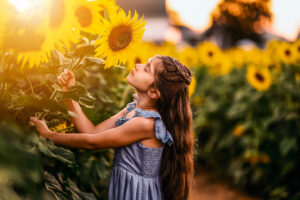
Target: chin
point(128, 80)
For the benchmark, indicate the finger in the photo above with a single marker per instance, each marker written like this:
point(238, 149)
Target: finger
point(59, 82)
point(59, 78)
point(71, 74)
point(63, 82)
point(34, 119)
point(65, 77)
point(31, 123)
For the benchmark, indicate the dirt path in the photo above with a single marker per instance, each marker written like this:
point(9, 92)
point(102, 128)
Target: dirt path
point(206, 189)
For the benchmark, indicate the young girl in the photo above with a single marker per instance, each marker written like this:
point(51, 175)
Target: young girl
point(152, 136)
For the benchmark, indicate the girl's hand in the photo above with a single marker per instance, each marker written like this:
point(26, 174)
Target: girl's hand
point(66, 79)
point(40, 125)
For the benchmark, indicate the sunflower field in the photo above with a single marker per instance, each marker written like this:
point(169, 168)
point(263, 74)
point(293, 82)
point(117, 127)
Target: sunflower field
point(245, 102)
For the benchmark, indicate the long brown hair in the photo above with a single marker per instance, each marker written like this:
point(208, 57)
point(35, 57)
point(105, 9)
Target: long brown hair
point(172, 79)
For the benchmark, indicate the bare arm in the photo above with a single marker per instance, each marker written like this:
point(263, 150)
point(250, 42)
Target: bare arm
point(84, 125)
point(81, 122)
point(136, 129)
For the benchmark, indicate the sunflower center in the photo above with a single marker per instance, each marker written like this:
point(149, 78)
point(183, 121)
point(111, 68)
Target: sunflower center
point(298, 48)
point(210, 54)
point(102, 13)
point(84, 16)
point(57, 13)
point(259, 77)
point(138, 60)
point(287, 52)
point(120, 37)
point(271, 66)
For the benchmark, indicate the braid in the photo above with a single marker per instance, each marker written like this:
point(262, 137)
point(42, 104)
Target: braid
point(174, 66)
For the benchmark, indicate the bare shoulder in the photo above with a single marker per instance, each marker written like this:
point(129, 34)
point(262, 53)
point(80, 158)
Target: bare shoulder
point(141, 125)
point(147, 124)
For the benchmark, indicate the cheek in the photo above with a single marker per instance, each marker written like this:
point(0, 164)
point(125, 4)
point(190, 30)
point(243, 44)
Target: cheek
point(143, 81)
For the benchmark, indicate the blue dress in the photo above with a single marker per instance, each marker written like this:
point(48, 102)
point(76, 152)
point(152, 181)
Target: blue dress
point(135, 175)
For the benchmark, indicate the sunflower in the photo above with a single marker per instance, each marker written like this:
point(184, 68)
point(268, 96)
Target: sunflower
point(238, 130)
point(222, 66)
point(237, 56)
point(208, 53)
point(137, 57)
point(188, 56)
point(59, 127)
point(274, 67)
point(120, 38)
point(260, 79)
point(88, 15)
point(296, 46)
point(251, 157)
point(108, 8)
point(60, 21)
point(192, 86)
point(34, 42)
point(167, 48)
point(286, 53)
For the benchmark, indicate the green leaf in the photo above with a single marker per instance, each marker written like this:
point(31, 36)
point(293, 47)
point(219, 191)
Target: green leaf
point(286, 145)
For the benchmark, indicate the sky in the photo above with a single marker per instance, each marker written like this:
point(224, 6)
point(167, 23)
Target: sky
point(196, 13)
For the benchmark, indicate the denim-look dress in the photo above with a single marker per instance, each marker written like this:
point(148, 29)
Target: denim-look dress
point(135, 175)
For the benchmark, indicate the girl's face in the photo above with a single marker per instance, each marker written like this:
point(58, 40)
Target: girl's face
point(142, 76)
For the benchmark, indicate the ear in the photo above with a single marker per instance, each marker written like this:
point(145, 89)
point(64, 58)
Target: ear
point(153, 93)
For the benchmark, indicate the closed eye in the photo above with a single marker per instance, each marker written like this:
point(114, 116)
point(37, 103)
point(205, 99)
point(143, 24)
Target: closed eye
point(146, 66)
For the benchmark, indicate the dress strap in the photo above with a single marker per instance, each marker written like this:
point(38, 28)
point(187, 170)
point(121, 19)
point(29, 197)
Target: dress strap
point(161, 131)
point(130, 106)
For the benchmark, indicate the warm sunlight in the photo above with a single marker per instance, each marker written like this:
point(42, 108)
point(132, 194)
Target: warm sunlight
point(24, 5)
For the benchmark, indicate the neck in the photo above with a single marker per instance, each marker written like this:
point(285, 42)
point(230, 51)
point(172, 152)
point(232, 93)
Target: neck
point(144, 102)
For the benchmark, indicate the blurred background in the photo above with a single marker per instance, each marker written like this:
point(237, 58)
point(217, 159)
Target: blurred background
point(244, 56)
point(227, 23)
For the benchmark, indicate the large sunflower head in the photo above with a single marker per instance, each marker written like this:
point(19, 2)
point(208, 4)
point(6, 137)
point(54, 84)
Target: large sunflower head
point(28, 45)
point(88, 15)
point(54, 27)
point(120, 38)
point(259, 78)
point(60, 24)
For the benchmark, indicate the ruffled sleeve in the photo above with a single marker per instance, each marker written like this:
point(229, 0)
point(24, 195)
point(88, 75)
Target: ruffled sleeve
point(161, 131)
point(130, 106)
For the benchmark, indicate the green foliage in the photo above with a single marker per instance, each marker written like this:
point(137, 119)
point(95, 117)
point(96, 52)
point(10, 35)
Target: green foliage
point(264, 159)
point(32, 167)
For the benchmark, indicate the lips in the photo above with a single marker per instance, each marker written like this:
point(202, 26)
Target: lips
point(132, 73)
